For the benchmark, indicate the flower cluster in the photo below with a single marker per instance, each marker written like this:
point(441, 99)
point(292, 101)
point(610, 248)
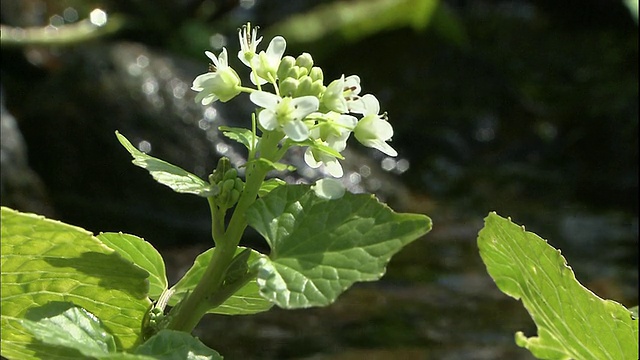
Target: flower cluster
point(301, 106)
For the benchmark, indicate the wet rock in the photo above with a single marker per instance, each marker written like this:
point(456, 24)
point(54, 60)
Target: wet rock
point(20, 187)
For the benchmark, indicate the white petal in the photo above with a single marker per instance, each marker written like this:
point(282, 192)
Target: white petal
point(223, 61)
point(310, 159)
point(201, 81)
point(334, 168)
point(371, 104)
point(382, 129)
point(304, 106)
point(347, 121)
point(329, 189)
point(276, 48)
point(267, 119)
point(211, 56)
point(265, 99)
point(352, 81)
point(382, 146)
point(296, 130)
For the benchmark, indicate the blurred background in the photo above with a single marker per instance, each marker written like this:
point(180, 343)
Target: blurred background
point(526, 108)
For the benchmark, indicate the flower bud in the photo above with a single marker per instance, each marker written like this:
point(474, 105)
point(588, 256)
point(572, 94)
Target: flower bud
point(316, 74)
point(286, 64)
point(228, 185)
point(304, 88)
point(289, 86)
point(230, 174)
point(305, 61)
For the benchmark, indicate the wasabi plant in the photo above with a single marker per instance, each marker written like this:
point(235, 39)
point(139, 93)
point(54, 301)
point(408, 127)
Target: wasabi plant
point(69, 294)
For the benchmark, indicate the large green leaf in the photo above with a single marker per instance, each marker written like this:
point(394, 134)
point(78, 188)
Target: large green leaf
point(245, 301)
point(176, 345)
point(168, 174)
point(319, 247)
point(47, 261)
point(142, 254)
point(72, 327)
point(573, 323)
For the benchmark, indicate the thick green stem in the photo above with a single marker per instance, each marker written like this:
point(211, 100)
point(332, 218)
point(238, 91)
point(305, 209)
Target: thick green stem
point(208, 291)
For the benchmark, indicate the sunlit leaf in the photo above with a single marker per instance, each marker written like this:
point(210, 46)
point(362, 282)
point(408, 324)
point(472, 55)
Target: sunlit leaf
point(573, 323)
point(168, 174)
point(319, 247)
point(72, 327)
point(45, 261)
point(176, 345)
point(142, 254)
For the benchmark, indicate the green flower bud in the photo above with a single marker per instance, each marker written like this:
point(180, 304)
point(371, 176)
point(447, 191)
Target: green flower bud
point(230, 174)
point(224, 164)
point(234, 195)
point(239, 185)
point(317, 88)
point(289, 86)
point(286, 64)
point(316, 74)
point(304, 88)
point(228, 185)
point(305, 61)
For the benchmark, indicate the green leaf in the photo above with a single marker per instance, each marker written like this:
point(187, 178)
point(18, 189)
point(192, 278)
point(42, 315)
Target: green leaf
point(245, 301)
point(319, 247)
point(572, 321)
point(318, 145)
point(269, 185)
point(142, 254)
point(176, 345)
point(167, 174)
point(241, 135)
point(74, 328)
point(47, 261)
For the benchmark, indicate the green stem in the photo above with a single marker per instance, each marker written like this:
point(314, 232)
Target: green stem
point(209, 290)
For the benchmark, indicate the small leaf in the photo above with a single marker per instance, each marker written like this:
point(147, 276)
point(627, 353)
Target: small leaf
point(176, 345)
point(45, 261)
point(245, 301)
point(269, 185)
point(141, 253)
point(275, 166)
point(320, 247)
point(241, 135)
point(573, 323)
point(168, 174)
point(318, 145)
point(74, 328)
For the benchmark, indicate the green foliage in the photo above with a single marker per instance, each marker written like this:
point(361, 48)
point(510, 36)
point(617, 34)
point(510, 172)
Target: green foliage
point(45, 261)
point(573, 323)
point(73, 328)
point(319, 247)
point(142, 254)
point(167, 174)
point(246, 300)
point(82, 335)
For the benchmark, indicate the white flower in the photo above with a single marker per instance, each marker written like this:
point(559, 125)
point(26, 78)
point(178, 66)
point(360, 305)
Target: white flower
point(248, 42)
point(342, 95)
point(372, 130)
point(223, 83)
point(329, 189)
point(332, 131)
point(265, 65)
point(286, 113)
point(351, 90)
